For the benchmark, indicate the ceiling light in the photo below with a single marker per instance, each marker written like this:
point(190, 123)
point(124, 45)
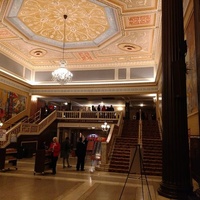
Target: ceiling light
point(62, 75)
point(119, 108)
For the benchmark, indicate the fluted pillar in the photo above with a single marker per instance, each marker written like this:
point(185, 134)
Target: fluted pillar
point(176, 178)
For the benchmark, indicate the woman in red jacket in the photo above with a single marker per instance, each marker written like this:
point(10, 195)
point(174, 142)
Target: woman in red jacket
point(55, 149)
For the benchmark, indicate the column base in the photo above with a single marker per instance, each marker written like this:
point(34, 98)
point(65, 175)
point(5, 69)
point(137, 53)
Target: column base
point(178, 193)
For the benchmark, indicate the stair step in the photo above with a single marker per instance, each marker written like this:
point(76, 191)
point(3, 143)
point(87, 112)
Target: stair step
point(120, 165)
point(152, 159)
point(118, 170)
point(123, 157)
point(152, 164)
point(152, 154)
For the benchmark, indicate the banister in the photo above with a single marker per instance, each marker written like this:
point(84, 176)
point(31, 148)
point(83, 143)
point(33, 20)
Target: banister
point(26, 128)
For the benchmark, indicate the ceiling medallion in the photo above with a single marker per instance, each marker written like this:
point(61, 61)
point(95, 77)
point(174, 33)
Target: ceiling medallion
point(129, 47)
point(38, 52)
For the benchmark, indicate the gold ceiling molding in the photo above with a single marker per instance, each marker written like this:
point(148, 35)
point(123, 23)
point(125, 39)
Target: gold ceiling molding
point(12, 82)
point(85, 22)
point(142, 38)
point(2, 5)
point(135, 5)
point(116, 64)
point(84, 90)
point(126, 26)
point(12, 54)
point(136, 21)
point(117, 90)
point(5, 33)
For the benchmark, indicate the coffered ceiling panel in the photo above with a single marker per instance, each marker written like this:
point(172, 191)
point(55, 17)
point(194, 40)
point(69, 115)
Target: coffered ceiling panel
point(98, 35)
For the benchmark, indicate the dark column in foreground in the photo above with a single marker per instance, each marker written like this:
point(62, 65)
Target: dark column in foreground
point(176, 178)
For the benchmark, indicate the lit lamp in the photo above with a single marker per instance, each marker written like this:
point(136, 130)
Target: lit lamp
point(1, 123)
point(105, 127)
point(62, 75)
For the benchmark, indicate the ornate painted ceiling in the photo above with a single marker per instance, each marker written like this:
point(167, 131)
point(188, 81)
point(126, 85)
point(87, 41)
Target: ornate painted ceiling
point(106, 41)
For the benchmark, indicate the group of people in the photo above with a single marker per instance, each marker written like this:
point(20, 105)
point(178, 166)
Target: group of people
point(64, 151)
point(103, 108)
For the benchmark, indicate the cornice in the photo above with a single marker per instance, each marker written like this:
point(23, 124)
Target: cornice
point(117, 89)
point(7, 80)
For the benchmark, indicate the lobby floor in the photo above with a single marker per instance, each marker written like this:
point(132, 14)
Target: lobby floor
point(69, 184)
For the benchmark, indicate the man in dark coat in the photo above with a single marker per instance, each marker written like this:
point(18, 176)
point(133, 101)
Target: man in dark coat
point(80, 153)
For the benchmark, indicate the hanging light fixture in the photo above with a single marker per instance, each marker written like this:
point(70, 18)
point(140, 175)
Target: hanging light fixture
point(62, 75)
point(105, 127)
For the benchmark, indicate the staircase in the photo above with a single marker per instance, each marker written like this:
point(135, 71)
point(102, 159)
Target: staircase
point(120, 157)
point(152, 148)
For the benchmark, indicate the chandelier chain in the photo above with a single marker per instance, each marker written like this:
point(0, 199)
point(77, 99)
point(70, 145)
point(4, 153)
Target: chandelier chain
point(65, 17)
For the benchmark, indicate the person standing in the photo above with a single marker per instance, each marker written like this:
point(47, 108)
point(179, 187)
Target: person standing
point(80, 153)
point(65, 151)
point(55, 149)
point(99, 108)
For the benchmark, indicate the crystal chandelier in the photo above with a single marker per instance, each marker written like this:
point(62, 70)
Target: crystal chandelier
point(105, 127)
point(62, 75)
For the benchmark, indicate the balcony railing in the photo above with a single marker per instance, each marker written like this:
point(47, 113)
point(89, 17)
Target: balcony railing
point(34, 127)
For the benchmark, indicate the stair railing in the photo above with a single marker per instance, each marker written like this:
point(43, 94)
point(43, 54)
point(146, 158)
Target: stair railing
point(120, 124)
point(115, 130)
point(36, 129)
point(160, 125)
point(27, 128)
point(140, 133)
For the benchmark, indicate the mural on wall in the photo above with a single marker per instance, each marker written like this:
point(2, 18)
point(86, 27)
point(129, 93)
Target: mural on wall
point(191, 77)
point(11, 104)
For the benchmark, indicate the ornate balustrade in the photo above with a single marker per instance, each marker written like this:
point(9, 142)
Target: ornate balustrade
point(105, 115)
point(33, 128)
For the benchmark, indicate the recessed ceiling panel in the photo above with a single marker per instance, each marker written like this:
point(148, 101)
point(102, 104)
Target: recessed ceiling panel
point(113, 35)
point(88, 23)
point(147, 72)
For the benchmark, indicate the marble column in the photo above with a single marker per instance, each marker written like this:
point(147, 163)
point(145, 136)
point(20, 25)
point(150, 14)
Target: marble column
point(176, 179)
